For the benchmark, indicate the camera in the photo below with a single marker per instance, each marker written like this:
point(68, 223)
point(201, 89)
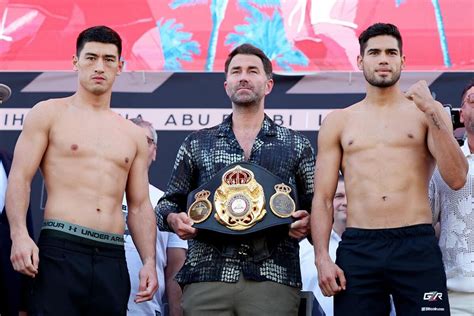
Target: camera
point(458, 127)
point(456, 118)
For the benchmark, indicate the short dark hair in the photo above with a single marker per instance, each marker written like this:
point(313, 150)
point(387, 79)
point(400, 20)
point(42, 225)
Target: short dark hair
point(248, 49)
point(379, 29)
point(101, 34)
point(466, 88)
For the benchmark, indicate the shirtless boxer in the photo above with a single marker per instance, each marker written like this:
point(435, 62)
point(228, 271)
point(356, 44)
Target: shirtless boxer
point(387, 146)
point(88, 156)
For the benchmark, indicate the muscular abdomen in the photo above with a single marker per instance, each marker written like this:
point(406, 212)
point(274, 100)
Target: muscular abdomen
point(387, 184)
point(85, 178)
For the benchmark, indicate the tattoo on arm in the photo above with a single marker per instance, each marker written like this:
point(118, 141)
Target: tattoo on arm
point(435, 121)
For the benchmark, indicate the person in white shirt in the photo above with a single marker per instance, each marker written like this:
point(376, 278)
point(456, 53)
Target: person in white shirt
point(309, 274)
point(455, 212)
point(170, 252)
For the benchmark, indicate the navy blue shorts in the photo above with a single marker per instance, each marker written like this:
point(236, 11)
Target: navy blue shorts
point(79, 276)
point(405, 262)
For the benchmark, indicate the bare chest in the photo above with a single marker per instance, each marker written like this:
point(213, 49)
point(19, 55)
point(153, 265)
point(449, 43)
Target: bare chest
point(363, 133)
point(93, 140)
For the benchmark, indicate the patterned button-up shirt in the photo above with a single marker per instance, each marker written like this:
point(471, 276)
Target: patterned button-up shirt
point(455, 210)
point(282, 151)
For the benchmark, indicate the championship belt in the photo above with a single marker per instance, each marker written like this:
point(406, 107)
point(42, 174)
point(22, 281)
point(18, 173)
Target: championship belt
point(240, 199)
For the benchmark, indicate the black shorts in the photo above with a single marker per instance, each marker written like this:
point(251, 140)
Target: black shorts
point(405, 262)
point(79, 276)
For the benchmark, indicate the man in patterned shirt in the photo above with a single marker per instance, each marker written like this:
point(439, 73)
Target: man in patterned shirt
point(456, 216)
point(234, 281)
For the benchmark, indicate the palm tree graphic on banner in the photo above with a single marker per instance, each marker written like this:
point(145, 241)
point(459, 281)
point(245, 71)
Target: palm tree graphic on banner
point(176, 44)
point(264, 31)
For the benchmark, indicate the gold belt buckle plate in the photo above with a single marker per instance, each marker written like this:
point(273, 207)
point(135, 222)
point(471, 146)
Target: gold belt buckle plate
point(239, 200)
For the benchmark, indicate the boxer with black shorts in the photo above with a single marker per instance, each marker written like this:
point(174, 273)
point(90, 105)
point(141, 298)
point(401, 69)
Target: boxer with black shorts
point(89, 156)
point(78, 262)
point(387, 146)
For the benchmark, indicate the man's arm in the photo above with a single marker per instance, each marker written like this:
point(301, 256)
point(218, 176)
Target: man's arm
point(171, 209)
point(142, 221)
point(304, 184)
point(450, 160)
point(434, 197)
point(325, 182)
point(175, 260)
point(29, 151)
point(435, 201)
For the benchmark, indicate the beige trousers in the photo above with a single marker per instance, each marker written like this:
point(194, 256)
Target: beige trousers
point(242, 298)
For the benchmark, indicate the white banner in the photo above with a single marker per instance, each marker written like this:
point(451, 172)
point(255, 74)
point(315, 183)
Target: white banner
point(175, 119)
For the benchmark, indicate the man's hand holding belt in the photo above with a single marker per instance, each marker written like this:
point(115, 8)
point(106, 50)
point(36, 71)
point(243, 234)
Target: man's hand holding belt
point(182, 225)
point(243, 198)
point(301, 227)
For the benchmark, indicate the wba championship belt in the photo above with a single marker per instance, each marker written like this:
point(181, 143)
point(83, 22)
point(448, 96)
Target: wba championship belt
point(240, 199)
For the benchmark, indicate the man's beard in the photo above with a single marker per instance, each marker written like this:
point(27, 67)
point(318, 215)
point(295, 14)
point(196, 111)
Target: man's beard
point(469, 126)
point(248, 99)
point(383, 82)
